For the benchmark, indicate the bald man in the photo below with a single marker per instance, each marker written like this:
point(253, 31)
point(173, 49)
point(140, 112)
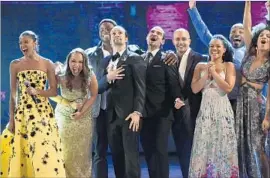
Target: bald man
point(184, 118)
point(162, 89)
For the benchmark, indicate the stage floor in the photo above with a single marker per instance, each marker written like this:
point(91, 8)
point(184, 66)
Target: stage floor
point(175, 171)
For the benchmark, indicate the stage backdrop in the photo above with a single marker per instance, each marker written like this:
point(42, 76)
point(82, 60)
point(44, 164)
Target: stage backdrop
point(62, 26)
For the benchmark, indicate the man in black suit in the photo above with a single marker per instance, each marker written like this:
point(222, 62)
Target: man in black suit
point(162, 88)
point(184, 118)
point(125, 99)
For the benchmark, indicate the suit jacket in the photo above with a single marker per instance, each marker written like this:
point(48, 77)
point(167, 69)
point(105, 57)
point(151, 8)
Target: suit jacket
point(127, 95)
point(162, 87)
point(95, 55)
point(193, 100)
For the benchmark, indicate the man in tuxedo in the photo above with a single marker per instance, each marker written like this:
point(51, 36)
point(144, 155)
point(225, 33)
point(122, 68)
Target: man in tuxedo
point(125, 99)
point(184, 118)
point(162, 89)
point(99, 57)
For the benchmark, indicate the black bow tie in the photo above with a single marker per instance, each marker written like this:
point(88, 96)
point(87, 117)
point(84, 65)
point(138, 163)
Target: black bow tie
point(114, 57)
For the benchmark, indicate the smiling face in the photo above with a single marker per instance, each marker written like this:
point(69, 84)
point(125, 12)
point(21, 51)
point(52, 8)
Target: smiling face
point(104, 31)
point(181, 40)
point(216, 49)
point(118, 36)
point(263, 42)
point(155, 37)
point(76, 63)
point(27, 45)
point(237, 36)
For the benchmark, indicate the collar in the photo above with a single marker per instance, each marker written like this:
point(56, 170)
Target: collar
point(120, 52)
point(186, 53)
point(105, 52)
point(154, 52)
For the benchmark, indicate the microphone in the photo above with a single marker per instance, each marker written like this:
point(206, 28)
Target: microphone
point(34, 98)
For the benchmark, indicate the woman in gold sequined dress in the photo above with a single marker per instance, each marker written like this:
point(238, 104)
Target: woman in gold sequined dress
point(35, 147)
point(79, 89)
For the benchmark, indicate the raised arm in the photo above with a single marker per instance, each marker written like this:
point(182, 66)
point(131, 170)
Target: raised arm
point(247, 23)
point(199, 25)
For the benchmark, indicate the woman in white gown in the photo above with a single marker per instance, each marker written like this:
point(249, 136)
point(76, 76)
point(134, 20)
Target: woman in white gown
point(214, 151)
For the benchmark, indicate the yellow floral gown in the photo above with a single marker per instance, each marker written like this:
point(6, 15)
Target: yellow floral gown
point(36, 147)
point(76, 136)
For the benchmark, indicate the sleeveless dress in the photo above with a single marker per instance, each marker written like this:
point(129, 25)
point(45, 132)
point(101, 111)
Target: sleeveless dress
point(76, 136)
point(214, 150)
point(36, 147)
point(250, 137)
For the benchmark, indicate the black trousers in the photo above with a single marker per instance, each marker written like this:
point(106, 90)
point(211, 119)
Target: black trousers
point(100, 140)
point(124, 145)
point(233, 104)
point(183, 131)
point(154, 139)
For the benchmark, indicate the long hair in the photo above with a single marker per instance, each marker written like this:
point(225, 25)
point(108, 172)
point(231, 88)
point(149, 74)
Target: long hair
point(228, 55)
point(252, 51)
point(84, 74)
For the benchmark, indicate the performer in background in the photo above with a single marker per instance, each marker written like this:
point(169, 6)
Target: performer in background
point(251, 123)
point(210, 157)
point(236, 38)
point(36, 147)
point(79, 89)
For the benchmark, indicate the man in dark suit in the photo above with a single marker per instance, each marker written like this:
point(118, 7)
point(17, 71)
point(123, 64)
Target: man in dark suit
point(162, 89)
point(184, 118)
point(125, 99)
point(99, 57)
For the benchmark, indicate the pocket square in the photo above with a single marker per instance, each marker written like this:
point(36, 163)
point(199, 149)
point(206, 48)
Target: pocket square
point(156, 65)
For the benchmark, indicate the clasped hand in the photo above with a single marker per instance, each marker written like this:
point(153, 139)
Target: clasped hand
point(178, 103)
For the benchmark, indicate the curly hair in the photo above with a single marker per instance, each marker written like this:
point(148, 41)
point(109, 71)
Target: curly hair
point(252, 51)
point(228, 55)
point(85, 73)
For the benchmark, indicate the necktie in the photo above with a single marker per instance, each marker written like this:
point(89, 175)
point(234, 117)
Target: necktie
point(115, 56)
point(149, 58)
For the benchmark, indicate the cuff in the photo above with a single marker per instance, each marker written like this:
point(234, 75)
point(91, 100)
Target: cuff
point(137, 112)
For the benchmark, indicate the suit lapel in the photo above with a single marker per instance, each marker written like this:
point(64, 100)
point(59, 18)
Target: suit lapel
point(189, 64)
point(156, 58)
point(122, 58)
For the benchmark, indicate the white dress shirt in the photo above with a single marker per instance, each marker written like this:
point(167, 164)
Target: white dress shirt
point(183, 64)
point(154, 52)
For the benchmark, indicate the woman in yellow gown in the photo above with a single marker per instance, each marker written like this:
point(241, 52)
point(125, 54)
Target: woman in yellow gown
point(35, 148)
point(79, 89)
